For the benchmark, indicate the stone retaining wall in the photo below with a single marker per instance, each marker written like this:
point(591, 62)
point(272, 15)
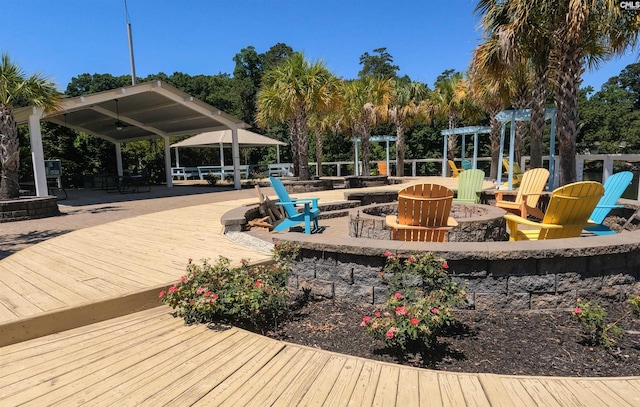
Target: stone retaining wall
point(28, 208)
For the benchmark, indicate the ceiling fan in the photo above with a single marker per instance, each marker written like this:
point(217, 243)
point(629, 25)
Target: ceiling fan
point(119, 125)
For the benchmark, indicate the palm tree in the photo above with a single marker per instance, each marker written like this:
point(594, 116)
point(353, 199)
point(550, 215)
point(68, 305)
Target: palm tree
point(576, 33)
point(18, 90)
point(291, 92)
point(404, 108)
point(366, 99)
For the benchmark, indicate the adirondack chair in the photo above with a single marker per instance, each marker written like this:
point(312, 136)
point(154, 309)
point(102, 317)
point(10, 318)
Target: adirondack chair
point(293, 217)
point(469, 186)
point(517, 172)
point(567, 214)
point(614, 187)
point(455, 171)
point(531, 186)
point(466, 165)
point(423, 214)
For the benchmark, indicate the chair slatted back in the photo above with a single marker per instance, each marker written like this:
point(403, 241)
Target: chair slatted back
point(470, 186)
point(614, 187)
point(425, 205)
point(283, 196)
point(532, 184)
point(455, 171)
point(570, 206)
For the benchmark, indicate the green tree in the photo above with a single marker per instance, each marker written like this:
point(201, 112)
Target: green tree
point(380, 65)
point(366, 103)
point(17, 90)
point(290, 92)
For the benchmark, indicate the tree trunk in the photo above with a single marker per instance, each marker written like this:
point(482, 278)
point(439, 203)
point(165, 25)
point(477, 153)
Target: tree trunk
point(303, 149)
point(494, 139)
point(539, 97)
point(295, 145)
point(452, 143)
point(9, 155)
point(399, 150)
point(319, 151)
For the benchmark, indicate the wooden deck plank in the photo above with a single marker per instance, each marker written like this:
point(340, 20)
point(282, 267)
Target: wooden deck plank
point(346, 381)
point(304, 381)
point(571, 392)
point(430, 392)
point(323, 385)
point(517, 392)
point(604, 392)
point(13, 284)
point(536, 389)
point(15, 303)
point(34, 382)
point(365, 388)
point(263, 377)
point(79, 373)
point(625, 389)
point(408, 388)
point(451, 390)
point(472, 390)
point(191, 379)
point(290, 381)
point(386, 391)
point(495, 391)
point(241, 378)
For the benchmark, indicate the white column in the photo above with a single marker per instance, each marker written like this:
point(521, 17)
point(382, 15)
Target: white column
point(37, 153)
point(119, 159)
point(177, 157)
point(235, 153)
point(167, 162)
point(444, 159)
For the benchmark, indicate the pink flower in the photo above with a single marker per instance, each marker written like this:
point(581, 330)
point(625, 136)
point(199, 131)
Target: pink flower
point(207, 294)
point(389, 334)
point(414, 321)
point(435, 310)
point(216, 296)
point(374, 325)
point(377, 314)
point(190, 260)
point(387, 253)
point(259, 283)
point(411, 259)
point(397, 295)
point(366, 318)
point(363, 323)
point(577, 310)
point(161, 294)
point(401, 310)
point(445, 266)
point(199, 291)
point(183, 279)
point(381, 273)
point(173, 289)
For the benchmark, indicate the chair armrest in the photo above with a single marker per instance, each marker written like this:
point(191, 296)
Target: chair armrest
point(522, 221)
point(313, 201)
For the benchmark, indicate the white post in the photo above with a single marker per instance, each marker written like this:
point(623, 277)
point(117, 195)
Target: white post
point(37, 153)
point(167, 162)
point(444, 158)
point(475, 151)
point(357, 170)
point(499, 177)
point(607, 168)
point(177, 157)
point(235, 153)
point(119, 159)
point(580, 168)
point(512, 138)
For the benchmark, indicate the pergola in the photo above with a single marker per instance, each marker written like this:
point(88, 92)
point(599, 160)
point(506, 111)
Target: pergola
point(513, 116)
point(138, 112)
point(463, 131)
point(377, 139)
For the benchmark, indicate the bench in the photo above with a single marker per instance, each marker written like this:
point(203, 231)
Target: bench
point(205, 170)
point(280, 170)
point(178, 173)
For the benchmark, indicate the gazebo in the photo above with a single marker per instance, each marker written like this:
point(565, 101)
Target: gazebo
point(137, 112)
point(463, 131)
point(223, 138)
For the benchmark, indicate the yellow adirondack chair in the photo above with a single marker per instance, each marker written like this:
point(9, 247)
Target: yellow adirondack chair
point(455, 171)
point(517, 172)
point(567, 214)
point(531, 186)
point(423, 214)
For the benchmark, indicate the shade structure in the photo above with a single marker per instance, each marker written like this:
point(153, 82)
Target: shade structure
point(222, 138)
point(246, 138)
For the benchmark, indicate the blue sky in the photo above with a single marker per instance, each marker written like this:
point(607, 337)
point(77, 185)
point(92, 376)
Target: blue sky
point(65, 38)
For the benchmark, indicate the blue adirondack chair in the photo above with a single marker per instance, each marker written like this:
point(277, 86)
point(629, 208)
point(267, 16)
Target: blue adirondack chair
point(310, 211)
point(614, 187)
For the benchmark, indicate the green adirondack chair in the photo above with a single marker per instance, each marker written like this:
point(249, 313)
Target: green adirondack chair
point(614, 187)
point(469, 186)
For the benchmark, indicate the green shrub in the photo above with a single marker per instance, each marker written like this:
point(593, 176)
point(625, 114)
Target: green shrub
point(593, 319)
point(254, 294)
point(212, 179)
point(422, 295)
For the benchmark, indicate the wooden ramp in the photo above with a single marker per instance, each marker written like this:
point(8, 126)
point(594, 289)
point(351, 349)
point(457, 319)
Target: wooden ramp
point(152, 359)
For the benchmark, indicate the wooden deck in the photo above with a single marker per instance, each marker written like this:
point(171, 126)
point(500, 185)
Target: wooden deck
point(97, 288)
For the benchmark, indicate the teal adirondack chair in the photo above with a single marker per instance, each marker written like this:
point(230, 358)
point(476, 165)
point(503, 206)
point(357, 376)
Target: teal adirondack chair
point(614, 187)
point(469, 186)
point(310, 209)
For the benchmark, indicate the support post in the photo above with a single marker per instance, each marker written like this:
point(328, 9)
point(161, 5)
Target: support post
point(37, 153)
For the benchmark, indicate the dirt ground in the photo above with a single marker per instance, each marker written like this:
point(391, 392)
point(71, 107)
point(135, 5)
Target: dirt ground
point(522, 343)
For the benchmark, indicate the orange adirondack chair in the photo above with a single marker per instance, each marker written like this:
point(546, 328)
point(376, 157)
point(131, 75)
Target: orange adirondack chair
point(423, 214)
point(532, 184)
point(567, 214)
